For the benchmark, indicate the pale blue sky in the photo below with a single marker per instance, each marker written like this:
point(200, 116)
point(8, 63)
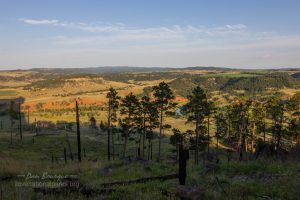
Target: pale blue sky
point(167, 33)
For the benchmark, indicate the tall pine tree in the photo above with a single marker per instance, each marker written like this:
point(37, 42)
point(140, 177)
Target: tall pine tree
point(113, 105)
point(164, 101)
point(196, 109)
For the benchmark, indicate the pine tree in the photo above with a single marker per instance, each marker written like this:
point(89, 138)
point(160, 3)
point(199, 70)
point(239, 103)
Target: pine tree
point(113, 105)
point(149, 121)
point(210, 109)
point(240, 110)
point(221, 126)
point(131, 117)
point(276, 108)
point(294, 122)
point(164, 101)
point(196, 108)
point(257, 115)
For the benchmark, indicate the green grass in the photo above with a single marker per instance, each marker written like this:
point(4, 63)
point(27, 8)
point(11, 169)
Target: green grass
point(240, 180)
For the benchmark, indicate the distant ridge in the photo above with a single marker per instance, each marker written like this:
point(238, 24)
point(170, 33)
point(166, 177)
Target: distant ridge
point(116, 69)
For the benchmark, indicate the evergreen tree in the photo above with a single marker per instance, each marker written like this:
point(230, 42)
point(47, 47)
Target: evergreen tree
point(113, 105)
point(294, 122)
point(196, 109)
point(257, 116)
point(210, 110)
point(131, 117)
point(241, 119)
point(221, 126)
point(149, 120)
point(164, 101)
point(276, 108)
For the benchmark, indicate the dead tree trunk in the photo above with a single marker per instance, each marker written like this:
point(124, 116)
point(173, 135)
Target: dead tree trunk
point(125, 143)
point(108, 130)
point(149, 149)
point(65, 154)
point(36, 128)
point(113, 144)
point(197, 140)
point(183, 157)
point(229, 134)
point(160, 134)
point(11, 131)
point(20, 123)
point(28, 122)
point(208, 133)
point(144, 135)
point(151, 157)
point(253, 137)
point(264, 129)
point(78, 133)
point(217, 137)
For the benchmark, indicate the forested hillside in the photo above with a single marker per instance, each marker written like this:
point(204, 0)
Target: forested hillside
point(251, 84)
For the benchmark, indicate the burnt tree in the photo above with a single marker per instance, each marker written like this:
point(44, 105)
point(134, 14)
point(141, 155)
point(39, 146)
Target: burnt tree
point(78, 133)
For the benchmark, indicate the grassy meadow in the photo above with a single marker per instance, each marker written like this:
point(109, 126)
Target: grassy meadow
point(253, 179)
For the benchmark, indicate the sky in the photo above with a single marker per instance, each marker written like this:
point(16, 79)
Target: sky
point(154, 33)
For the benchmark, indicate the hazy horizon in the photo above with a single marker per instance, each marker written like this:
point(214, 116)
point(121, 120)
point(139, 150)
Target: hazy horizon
point(232, 34)
point(163, 67)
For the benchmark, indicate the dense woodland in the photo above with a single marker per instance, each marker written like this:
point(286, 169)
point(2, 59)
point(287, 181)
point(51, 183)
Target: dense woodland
point(250, 84)
point(245, 124)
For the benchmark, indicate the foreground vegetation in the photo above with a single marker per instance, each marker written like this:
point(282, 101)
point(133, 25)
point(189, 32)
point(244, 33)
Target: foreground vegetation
point(253, 179)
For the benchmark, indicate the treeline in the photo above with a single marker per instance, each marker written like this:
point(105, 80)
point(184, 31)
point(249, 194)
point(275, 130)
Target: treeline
point(47, 83)
point(240, 125)
point(57, 80)
point(149, 76)
point(255, 84)
point(259, 84)
point(139, 116)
